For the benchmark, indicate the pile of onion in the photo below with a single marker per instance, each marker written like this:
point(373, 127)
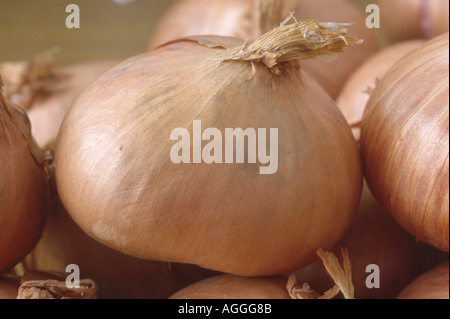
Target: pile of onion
point(413, 19)
point(23, 186)
point(355, 94)
point(115, 175)
point(46, 92)
point(433, 284)
point(405, 142)
point(248, 19)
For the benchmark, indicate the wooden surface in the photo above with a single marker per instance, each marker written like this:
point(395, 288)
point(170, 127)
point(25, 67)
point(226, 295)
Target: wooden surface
point(107, 30)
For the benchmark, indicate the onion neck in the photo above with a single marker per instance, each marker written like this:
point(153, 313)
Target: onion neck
point(268, 15)
point(300, 40)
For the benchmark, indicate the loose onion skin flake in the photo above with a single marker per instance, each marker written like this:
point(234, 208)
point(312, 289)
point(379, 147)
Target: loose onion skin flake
point(23, 186)
point(116, 178)
point(431, 285)
point(405, 142)
point(248, 19)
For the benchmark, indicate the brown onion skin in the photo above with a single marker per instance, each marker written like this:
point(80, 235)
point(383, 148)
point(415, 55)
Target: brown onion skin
point(118, 276)
point(233, 287)
point(413, 19)
point(9, 287)
point(355, 94)
point(185, 228)
point(23, 186)
point(219, 18)
point(431, 285)
point(404, 142)
point(375, 238)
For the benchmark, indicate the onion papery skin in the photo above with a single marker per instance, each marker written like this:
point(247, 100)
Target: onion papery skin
point(117, 181)
point(237, 19)
point(404, 142)
point(355, 94)
point(23, 186)
point(431, 285)
point(413, 19)
point(375, 238)
point(235, 287)
point(117, 276)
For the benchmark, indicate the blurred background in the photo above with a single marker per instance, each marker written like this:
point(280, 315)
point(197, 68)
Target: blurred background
point(109, 28)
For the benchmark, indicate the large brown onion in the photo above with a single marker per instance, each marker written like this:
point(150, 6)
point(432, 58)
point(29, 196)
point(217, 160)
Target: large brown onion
point(431, 285)
point(23, 186)
point(234, 287)
point(243, 19)
point(405, 136)
point(355, 94)
point(376, 239)
point(413, 19)
point(117, 180)
point(47, 95)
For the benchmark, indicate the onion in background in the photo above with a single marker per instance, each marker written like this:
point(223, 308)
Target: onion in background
point(46, 92)
point(413, 19)
point(243, 20)
point(234, 287)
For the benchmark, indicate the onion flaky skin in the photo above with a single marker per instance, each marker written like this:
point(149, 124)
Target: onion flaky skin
point(23, 186)
point(116, 179)
point(405, 142)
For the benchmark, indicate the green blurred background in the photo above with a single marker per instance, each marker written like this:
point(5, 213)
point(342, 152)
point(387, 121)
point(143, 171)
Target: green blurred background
point(108, 29)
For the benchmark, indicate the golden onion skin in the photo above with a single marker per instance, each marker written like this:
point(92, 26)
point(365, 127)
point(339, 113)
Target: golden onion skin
point(116, 179)
point(405, 136)
point(23, 186)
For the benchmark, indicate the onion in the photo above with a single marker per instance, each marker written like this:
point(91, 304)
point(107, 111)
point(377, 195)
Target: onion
point(46, 92)
point(116, 178)
point(431, 285)
point(23, 186)
point(413, 19)
point(376, 239)
point(9, 286)
point(405, 135)
point(235, 287)
point(355, 94)
point(248, 19)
